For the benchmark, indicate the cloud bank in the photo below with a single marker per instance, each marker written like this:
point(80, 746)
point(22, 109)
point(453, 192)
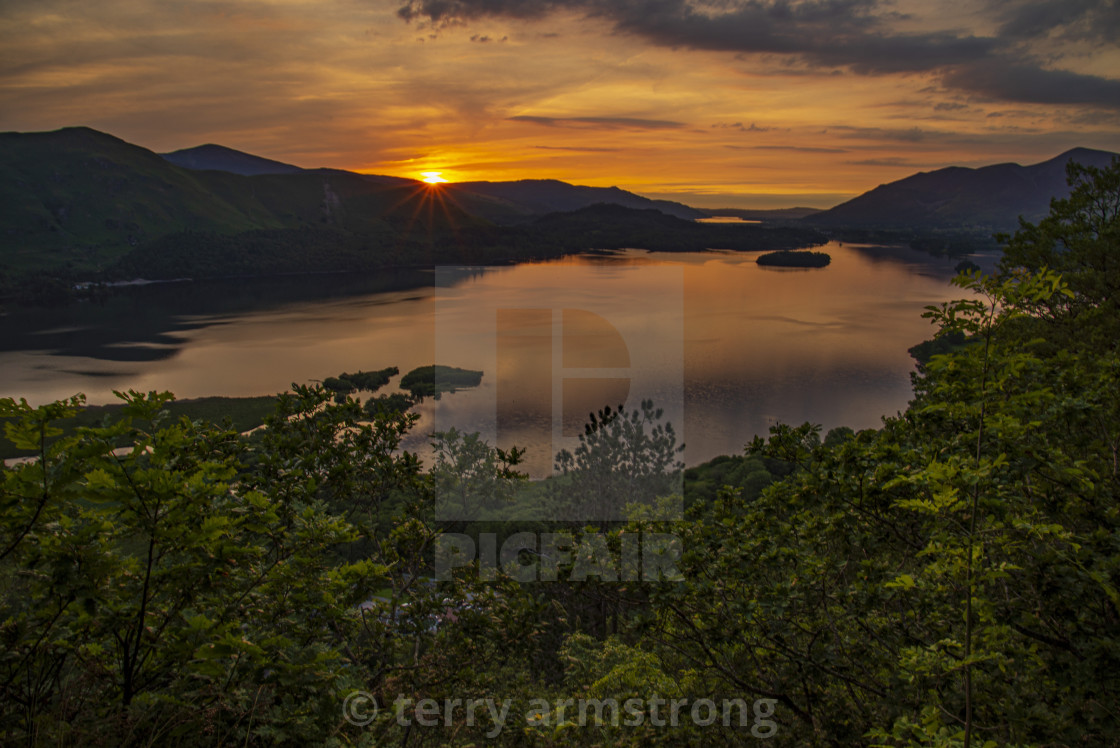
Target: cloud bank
point(867, 37)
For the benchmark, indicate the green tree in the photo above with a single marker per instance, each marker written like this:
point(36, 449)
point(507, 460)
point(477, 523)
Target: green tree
point(154, 594)
point(1079, 239)
point(624, 457)
point(472, 480)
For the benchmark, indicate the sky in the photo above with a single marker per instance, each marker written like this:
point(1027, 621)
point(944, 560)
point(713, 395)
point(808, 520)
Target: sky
point(716, 103)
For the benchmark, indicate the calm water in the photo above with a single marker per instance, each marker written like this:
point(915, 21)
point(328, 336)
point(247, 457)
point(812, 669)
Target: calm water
point(725, 346)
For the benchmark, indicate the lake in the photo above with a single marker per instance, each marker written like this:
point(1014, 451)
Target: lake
point(725, 346)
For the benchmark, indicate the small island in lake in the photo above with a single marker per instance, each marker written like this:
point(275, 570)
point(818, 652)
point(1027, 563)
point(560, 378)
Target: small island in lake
point(368, 381)
point(795, 259)
point(428, 381)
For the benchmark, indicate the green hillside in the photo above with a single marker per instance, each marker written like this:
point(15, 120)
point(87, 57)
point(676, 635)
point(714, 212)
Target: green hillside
point(80, 204)
point(77, 199)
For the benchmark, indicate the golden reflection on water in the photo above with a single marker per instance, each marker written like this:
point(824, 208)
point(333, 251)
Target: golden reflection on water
point(792, 345)
point(759, 344)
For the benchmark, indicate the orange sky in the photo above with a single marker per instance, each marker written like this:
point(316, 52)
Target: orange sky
point(740, 103)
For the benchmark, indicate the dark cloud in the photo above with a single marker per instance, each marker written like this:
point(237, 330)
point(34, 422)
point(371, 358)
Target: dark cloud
point(606, 123)
point(457, 11)
point(740, 127)
point(911, 135)
point(1076, 20)
point(1098, 118)
point(905, 53)
point(1009, 81)
point(1021, 114)
point(857, 35)
point(849, 33)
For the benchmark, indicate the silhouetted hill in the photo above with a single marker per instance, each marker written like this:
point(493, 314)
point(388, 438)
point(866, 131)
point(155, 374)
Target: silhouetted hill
point(522, 199)
point(212, 157)
point(502, 202)
point(76, 201)
point(762, 214)
point(991, 198)
point(219, 158)
point(608, 226)
point(81, 205)
point(77, 198)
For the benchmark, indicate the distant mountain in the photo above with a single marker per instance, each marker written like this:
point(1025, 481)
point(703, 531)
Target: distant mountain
point(212, 157)
point(375, 178)
point(991, 198)
point(77, 204)
point(523, 199)
point(219, 158)
point(502, 202)
point(77, 201)
point(611, 226)
point(77, 198)
point(762, 214)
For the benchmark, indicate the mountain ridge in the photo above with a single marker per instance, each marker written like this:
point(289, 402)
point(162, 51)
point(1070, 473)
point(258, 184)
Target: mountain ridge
point(214, 157)
point(78, 205)
point(542, 196)
point(991, 197)
point(508, 202)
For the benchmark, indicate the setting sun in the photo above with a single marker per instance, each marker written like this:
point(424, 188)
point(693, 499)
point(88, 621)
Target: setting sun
point(433, 177)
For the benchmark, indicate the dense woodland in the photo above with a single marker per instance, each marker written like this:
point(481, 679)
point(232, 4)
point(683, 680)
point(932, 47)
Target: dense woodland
point(950, 579)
